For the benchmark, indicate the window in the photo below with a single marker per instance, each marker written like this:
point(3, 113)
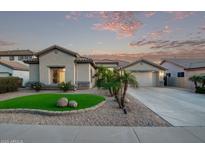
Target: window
point(57, 75)
point(11, 58)
point(180, 74)
point(20, 57)
point(168, 74)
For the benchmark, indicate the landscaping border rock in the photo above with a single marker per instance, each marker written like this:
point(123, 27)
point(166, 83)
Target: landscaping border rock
point(50, 113)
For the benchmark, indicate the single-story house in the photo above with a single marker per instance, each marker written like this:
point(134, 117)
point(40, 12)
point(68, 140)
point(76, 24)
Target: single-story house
point(13, 68)
point(147, 73)
point(179, 71)
point(56, 64)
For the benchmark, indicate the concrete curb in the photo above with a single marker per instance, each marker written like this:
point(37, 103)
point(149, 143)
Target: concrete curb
point(50, 113)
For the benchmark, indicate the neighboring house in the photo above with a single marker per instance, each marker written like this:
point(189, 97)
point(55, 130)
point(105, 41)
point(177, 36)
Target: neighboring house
point(56, 64)
point(16, 55)
point(110, 64)
point(12, 68)
point(179, 71)
point(147, 73)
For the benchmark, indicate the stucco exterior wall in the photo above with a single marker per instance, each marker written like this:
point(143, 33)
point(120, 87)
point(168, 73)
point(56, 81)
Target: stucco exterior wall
point(21, 74)
point(83, 72)
point(15, 59)
point(34, 72)
point(173, 69)
point(56, 58)
point(5, 70)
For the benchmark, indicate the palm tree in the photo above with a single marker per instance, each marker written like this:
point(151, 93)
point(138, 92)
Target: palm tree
point(127, 78)
point(195, 79)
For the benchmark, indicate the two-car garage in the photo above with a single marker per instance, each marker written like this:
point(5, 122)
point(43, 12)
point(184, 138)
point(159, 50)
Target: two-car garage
point(148, 74)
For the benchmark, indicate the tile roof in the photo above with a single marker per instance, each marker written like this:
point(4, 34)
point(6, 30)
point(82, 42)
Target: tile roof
point(16, 53)
point(187, 63)
point(14, 65)
point(44, 51)
point(145, 61)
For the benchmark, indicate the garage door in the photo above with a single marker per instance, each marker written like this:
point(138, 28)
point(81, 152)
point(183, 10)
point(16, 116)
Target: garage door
point(146, 79)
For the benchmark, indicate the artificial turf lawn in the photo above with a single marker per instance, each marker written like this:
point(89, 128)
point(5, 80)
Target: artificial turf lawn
point(48, 101)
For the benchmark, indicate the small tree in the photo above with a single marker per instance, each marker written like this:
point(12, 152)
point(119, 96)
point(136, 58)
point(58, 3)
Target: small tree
point(195, 79)
point(116, 82)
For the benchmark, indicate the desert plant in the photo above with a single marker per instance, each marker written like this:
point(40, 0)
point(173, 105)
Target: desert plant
point(65, 86)
point(195, 79)
point(116, 82)
point(37, 86)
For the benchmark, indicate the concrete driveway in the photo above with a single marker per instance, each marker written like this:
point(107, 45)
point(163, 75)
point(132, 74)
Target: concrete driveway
point(178, 107)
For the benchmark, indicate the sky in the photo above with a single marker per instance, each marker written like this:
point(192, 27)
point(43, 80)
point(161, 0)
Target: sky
point(103, 32)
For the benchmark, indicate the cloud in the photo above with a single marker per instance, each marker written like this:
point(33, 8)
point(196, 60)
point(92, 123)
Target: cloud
point(149, 14)
point(167, 44)
point(124, 24)
point(159, 33)
point(6, 43)
point(180, 15)
point(74, 15)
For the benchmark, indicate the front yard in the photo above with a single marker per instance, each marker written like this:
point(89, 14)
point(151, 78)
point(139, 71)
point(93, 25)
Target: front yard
point(107, 115)
point(48, 102)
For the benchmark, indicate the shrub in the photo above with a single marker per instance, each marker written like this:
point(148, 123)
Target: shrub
point(8, 84)
point(200, 90)
point(37, 86)
point(66, 86)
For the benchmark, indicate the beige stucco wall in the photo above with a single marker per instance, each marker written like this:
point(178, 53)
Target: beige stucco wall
point(84, 74)
point(56, 58)
point(34, 72)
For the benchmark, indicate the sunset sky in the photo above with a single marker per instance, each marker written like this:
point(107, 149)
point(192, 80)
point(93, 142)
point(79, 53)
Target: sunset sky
point(103, 32)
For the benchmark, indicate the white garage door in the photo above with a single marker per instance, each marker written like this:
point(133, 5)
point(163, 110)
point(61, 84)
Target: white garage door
point(146, 79)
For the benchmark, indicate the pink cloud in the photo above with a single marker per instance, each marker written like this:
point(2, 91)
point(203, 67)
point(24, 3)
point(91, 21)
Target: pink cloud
point(158, 34)
point(179, 15)
point(124, 23)
point(149, 14)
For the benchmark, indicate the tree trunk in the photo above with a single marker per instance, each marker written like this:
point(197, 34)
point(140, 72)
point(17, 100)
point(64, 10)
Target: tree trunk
point(124, 94)
point(195, 83)
point(110, 91)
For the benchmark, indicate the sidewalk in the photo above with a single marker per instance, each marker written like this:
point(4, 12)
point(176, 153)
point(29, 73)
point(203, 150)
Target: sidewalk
point(45, 133)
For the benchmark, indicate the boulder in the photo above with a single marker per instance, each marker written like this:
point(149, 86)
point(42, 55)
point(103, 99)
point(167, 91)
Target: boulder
point(72, 103)
point(62, 102)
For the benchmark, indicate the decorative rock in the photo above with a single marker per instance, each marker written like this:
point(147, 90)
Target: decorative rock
point(73, 103)
point(62, 102)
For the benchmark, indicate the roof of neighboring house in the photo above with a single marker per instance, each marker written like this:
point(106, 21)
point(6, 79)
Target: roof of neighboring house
point(81, 60)
point(14, 65)
point(44, 51)
point(145, 61)
point(106, 61)
point(118, 63)
point(187, 63)
point(16, 53)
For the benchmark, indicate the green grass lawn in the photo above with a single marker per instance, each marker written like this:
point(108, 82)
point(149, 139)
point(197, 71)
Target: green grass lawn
point(48, 101)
